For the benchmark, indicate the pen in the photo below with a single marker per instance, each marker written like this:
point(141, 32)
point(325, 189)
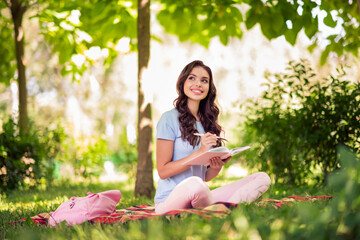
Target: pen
point(201, 134)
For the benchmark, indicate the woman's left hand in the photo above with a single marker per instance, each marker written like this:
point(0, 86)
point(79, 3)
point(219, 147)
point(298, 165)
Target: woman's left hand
point(226, 160)
point(216, 163)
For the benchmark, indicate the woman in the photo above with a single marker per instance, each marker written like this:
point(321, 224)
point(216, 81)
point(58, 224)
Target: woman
point(182, 186)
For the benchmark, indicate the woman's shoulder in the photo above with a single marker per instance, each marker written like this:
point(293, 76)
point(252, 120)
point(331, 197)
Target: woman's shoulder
point(168, 123)
point(169, 118)
point(170, 114)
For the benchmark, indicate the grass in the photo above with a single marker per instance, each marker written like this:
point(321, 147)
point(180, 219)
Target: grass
point(245, 222)
point(335, 219)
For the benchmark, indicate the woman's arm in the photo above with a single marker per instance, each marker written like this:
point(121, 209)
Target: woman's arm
point(213, 170)
point(164, 152)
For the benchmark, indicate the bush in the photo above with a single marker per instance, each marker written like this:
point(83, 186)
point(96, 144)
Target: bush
point(26, 157)
point(340, 219)
point(38, 155)
point(299, 121)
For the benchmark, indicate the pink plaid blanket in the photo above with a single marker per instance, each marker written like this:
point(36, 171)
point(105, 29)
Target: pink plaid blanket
point(219, 209)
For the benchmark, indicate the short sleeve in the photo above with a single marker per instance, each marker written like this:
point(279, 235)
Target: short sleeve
point(166, 128)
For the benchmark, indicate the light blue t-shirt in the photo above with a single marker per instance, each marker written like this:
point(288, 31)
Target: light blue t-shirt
point(168, 128)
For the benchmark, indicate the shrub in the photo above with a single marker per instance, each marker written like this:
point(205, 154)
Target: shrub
point(38, 155)
point(299, 121)
point(28, 156)
point(340, 219)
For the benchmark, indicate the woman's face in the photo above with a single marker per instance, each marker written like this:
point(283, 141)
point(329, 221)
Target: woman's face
point(196, 86)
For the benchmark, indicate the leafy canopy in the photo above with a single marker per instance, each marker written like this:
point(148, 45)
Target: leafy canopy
point(73, 28)
point(78, 32)
point(287, 17)
point(201, 20)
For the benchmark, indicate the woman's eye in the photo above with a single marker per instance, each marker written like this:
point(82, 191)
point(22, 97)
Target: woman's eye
point(205, 81)
point(191, 78)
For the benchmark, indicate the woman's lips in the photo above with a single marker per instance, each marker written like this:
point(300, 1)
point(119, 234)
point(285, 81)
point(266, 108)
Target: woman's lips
point(196, 91)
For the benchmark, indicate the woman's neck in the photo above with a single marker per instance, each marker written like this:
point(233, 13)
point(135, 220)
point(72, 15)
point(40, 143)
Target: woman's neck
point(194, 108)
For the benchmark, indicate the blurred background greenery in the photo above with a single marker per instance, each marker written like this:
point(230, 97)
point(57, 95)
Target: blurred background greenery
point(82, 87)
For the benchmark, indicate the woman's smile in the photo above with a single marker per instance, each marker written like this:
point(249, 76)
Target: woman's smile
point(197, 91)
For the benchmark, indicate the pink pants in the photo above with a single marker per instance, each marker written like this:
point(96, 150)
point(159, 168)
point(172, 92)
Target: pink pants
point(193, 192)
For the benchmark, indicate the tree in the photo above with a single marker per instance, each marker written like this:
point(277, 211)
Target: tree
point(17, 9)
point(144, 179)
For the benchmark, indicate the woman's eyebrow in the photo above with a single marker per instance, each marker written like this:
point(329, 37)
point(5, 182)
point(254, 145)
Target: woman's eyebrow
point(191, 74)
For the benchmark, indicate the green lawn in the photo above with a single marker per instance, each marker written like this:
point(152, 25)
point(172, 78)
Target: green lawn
point(245, 222)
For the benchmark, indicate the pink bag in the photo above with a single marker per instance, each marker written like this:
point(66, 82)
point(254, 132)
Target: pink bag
point(80, 209)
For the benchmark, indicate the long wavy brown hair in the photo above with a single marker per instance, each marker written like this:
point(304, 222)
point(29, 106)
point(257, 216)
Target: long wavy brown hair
point(208, 110)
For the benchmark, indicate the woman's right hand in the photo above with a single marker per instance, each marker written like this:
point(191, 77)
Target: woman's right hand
point(207, 141)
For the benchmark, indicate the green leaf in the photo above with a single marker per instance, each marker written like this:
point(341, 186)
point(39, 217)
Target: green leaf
point(324, 55)
point(290, 36)
point(266, 27)
point(329, 21)
point(251, 19)
point(339, 49)
point(223, 38)
point(297, 24)
point(278, 23)
point(310, 26)
point(312, 47)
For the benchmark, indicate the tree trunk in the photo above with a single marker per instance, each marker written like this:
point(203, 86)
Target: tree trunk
point(144, 178)
point(17, 12)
